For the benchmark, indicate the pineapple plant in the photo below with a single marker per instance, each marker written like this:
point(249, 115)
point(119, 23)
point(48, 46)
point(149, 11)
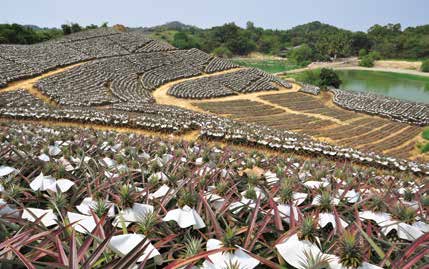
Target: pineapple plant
point(350, 250)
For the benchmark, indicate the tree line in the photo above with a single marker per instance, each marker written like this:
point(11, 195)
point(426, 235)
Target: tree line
point(26, 34)
point(313, 41)
point(305, 43)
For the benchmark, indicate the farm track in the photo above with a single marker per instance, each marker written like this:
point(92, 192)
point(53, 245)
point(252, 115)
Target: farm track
point(318, 116)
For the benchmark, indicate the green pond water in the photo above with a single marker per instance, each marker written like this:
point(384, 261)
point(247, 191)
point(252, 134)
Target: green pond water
point(402, 86)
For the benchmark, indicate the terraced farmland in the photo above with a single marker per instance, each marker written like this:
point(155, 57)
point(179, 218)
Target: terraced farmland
point(318, 117)
point(107, 160)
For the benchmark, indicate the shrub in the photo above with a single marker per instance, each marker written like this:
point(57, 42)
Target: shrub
point(362, 53)
point(366, 61)
point(301, 55)
point(425, 134)
point(310, 77)
point(329, 77)
point(424, 148)
point(375, 55)
point(425, 66)
point(223, 52)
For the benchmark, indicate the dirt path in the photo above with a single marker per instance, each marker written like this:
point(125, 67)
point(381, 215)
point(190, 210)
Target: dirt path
point(28, 84)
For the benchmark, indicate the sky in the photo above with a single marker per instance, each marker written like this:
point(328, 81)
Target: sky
point(357, 15)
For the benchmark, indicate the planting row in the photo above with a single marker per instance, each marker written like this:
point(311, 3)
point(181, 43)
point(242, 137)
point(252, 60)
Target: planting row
point(395, 109)
point(306, 103)
point(368, 134)
point(23, 61)
point(123, 78)
point(108, 200)
point(242, 81)
point(172, 119)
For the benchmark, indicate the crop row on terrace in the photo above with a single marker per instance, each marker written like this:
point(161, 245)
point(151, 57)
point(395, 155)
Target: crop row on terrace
point(366, 133)
point(169, 119)
point(79, 197)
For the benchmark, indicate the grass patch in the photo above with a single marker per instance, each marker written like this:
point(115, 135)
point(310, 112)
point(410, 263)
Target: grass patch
point(308, 76)
point(425, 134)
point(395, 75)
point(424, 148)
point(270, 66)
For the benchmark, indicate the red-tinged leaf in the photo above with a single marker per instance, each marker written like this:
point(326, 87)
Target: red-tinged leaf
point(166, 239)
point(264, 261)
point(277, 218)
point(98, 252)
point(73, 262)
point(292, 216)
point(252, 223)
point(23, 259)
point(386, 259)
point(42, 252)
point(213, 219)
point(340, 228)
point(62, 257)
point(415, 259)
point(131, 258)
point(88, 241)
point(412, 248)
point(181, 263)
point(143, 263)
point(261, 229)
point(51, 265)
point(15, 238)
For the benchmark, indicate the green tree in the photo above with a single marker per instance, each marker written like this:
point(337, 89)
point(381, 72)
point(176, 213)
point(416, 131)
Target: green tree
point(301, 55)
point(425, 66)
point(75, 27)
point(329, 77)
point(66, 29)
point(222, 52)
point(366, 61)
point(362, 53)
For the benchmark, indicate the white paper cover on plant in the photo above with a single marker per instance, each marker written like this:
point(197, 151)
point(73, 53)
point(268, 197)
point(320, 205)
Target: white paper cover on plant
point(315, 184)
point(351, 196)
point(82, 223)
point(44, 158)
point(125, 243)
point(109, 163)
point(379, 217)
point(326, 218)
point(299, 197)
point(42, 183)
point(6, 170)
point(185, 217)
point(62, 185)
point(285, 212)
point(293, 250)
point(161, 192)
point(403, 230)
point(88, 203)
point(6, 209)
point(134, 214)
point(54, 150)
point(48, 219)
point(221, 260)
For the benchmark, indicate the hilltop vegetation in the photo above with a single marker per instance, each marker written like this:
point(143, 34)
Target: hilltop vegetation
point(29, 34)
point(309, 42)
point(313, 41)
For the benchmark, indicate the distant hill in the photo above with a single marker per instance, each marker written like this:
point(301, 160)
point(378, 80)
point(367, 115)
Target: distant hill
point(170, 26)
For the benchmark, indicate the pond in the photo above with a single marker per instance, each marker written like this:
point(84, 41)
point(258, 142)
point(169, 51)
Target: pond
point(402, 86)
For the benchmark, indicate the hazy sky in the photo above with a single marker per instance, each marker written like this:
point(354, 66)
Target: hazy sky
point(274, 14)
